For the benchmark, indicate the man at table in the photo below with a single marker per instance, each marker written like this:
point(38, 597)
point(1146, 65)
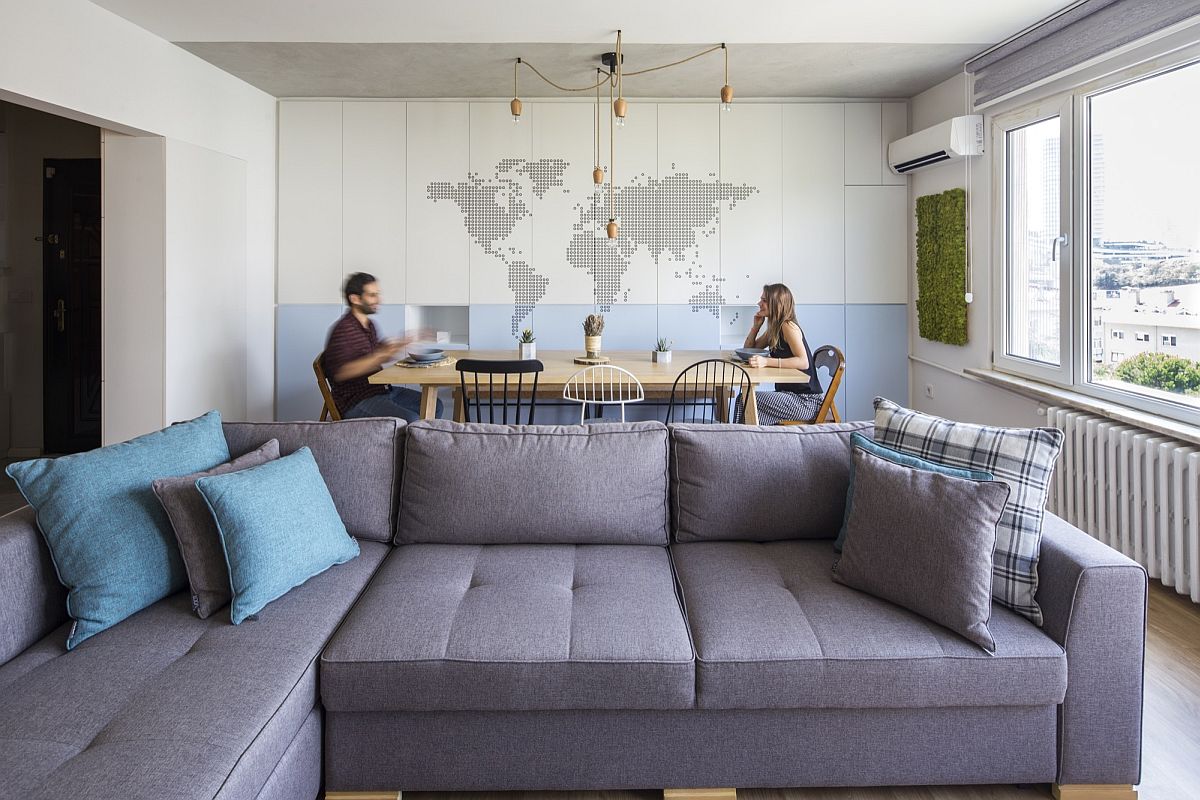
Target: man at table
point(354, 352)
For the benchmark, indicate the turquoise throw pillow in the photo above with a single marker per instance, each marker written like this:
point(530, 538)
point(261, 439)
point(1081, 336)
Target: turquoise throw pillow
point(108, 535)
point(857, 440)
point(278, 527)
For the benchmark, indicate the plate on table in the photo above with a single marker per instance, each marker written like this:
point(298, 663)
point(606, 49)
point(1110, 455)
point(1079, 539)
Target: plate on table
point(744, 353)
point(423, 354)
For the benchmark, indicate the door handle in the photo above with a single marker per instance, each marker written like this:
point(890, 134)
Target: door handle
point(60, 314)
point(1062, 240)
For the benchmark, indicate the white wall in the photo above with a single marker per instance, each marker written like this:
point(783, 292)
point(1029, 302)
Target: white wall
point(134, 296)
point(31, 136)
point(205, 283)
point(76, 59)
point(954, 395)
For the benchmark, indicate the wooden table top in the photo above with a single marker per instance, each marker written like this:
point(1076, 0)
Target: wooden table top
point(560, 366)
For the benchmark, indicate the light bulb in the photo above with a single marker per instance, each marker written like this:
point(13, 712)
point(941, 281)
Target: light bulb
point(620, 122)
point(515, 107)
point(727, 106)
point(727, 98)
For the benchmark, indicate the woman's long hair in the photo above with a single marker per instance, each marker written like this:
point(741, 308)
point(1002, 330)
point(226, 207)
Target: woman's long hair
point(781, 309)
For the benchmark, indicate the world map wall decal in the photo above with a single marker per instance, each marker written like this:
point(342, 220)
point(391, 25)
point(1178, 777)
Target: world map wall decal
point(666, 217)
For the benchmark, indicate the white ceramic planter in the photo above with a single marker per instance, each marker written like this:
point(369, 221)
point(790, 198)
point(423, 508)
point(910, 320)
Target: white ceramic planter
point(661, 356)
point(528, 350)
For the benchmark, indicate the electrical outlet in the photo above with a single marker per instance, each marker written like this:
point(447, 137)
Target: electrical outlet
point(929, 390)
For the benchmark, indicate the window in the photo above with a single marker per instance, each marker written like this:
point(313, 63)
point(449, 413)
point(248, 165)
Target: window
point(1097, 199)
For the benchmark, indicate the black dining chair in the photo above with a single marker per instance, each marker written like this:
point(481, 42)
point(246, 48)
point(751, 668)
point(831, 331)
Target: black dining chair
point(707, 391)
point(498, 382)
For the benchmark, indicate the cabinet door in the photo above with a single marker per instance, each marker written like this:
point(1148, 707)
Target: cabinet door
point(374, 193)
point(752, 228)
point(310, 202)
point(864, 143)
point(438, 260)
point(814, 207)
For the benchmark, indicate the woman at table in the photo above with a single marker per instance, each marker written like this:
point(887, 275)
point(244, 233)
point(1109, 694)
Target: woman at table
point(788, 350)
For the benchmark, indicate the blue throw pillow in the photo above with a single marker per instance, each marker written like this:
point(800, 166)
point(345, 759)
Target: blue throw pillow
point(278, 527)
point(109, 537)
point(857, 440)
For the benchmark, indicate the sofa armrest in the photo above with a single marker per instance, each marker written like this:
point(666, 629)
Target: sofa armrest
point(1093, 600)
point(32, 601)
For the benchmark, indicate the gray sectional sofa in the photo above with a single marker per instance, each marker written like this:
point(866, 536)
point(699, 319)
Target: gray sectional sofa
point(620, 606)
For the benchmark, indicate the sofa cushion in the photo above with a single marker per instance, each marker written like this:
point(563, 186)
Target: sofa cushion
point(278, 527)
point(923, 540)
point(196, 532)
point(166, 704)
point(111, 541)
point(513, 627)
point(1021, 457)
point(760, 484)
point(32, 601)
point(772, 630)
point(520, 484)
point(358, 458)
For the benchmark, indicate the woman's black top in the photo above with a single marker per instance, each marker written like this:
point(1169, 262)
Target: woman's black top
point(813, 386)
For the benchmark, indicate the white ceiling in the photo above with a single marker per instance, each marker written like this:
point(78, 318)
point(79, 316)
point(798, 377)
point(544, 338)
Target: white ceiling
point(465, 48)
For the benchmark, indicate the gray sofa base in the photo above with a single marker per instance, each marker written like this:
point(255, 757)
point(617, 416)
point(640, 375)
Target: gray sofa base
point(577, 750)
point(298, 773)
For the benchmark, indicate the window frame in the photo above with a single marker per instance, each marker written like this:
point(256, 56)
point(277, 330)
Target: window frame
point(1074, 93)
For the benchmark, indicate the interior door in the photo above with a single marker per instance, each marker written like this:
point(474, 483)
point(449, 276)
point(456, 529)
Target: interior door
point(71, 304)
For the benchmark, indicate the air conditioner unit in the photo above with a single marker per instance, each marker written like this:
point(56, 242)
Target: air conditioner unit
point(945, 142)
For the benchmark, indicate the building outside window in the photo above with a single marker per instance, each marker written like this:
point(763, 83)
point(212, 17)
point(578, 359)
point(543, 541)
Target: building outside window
point(1099, 189)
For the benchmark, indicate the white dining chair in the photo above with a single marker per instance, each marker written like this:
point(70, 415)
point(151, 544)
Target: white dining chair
point(603, 385)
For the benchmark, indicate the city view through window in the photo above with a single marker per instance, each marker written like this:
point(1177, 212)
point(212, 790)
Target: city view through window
point(1145, 236)
point(1143, 256)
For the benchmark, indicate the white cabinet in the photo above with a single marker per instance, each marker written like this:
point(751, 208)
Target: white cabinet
point(310, 202)
point(752, 232)
point(374, 191)
point(876, 244)
point(437, 255)
point(814, 208)
point(895, 126)
point(864, 140)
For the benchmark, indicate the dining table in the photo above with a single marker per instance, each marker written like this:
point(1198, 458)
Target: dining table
point(558, 367)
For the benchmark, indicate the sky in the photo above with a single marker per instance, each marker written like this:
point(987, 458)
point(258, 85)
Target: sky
point(1151, 130)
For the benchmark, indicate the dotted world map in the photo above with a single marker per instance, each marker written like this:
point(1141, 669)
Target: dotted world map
point(668, 217)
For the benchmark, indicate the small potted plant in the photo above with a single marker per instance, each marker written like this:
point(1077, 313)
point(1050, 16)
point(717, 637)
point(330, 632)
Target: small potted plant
point(527, 344)
point(593, 326)
point(661, 354)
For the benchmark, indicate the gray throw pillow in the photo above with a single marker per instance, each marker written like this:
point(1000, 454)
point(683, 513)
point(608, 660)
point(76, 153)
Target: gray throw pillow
point(196, 532)
point(924, 541)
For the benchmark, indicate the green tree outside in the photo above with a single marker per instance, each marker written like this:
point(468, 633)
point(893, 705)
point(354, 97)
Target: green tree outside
point(1160, 371)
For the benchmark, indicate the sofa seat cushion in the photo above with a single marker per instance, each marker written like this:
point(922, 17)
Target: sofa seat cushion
point(166, 704)
point(772, 630)
point(513, 627)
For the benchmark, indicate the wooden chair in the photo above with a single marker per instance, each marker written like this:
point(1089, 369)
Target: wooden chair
point(603, 385)
point(708, 386)
point(831, 359)
point(330, 409)
point(480, 366)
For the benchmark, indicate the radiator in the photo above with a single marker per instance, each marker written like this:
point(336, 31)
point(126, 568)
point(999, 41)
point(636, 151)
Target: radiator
point(1135, 490)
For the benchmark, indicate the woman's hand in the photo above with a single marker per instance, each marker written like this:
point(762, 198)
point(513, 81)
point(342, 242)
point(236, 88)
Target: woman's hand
point(760, 361)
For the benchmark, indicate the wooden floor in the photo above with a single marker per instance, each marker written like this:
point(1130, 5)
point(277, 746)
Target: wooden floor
point(1170, 744)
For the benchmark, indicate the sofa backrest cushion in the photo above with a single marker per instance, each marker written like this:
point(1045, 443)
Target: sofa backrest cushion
point(358, 458)
point(760, 484)
point(32, 601)
point(528, 484)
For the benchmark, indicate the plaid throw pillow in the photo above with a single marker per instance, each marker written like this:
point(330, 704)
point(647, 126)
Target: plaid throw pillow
point(1021, 457)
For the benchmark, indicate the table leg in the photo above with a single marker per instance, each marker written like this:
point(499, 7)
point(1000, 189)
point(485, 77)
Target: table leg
point(721, 403)
point(751, 408)
point(429, 402)
point(460, 406)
